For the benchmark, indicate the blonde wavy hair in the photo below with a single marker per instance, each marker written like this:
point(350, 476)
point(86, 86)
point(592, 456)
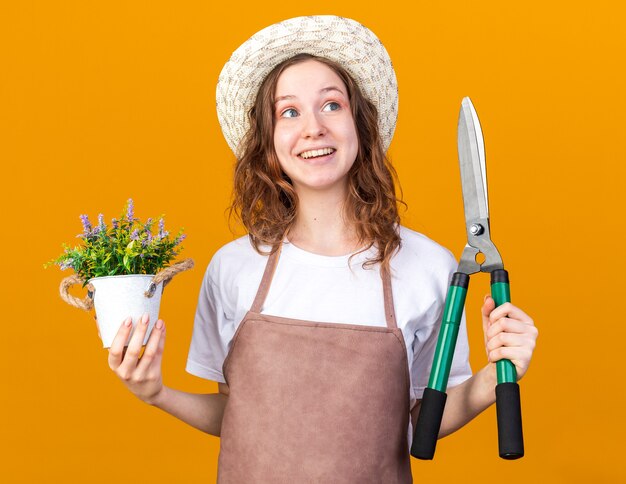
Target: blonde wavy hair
point(265, 201)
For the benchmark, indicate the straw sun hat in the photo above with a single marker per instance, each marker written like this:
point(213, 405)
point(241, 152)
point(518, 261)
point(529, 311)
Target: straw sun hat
point(339, 39)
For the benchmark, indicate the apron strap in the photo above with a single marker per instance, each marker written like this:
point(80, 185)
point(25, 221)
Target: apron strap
point(266, 281)
point(264, 287)
point(390, 313)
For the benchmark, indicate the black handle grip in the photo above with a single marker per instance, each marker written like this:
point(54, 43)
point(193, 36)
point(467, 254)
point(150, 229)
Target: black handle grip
point(428, 423)
point(509, 411)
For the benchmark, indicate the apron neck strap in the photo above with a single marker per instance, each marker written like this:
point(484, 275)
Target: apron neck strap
point(390, 313)
point(270, 268)
point(264, 287)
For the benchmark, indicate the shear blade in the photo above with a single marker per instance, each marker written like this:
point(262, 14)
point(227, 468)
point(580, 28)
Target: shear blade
point(474, 181)
point(472, 160)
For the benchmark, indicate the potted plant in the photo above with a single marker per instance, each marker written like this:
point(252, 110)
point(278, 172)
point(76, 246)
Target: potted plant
point(124, 267)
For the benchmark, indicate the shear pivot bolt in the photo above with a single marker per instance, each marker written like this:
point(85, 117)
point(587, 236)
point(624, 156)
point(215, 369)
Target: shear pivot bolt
point(476, 229)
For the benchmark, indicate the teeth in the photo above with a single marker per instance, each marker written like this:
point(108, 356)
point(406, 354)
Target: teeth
point(314, 153)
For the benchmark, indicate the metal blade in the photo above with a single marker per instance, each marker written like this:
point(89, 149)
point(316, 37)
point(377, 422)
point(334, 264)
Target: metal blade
point(474, 181)
point(472, 161)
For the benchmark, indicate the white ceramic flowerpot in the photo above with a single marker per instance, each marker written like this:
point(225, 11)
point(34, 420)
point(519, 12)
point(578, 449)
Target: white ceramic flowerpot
point(117, 297)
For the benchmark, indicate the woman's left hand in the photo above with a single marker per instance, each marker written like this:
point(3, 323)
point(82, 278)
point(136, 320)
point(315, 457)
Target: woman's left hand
point(509, 334)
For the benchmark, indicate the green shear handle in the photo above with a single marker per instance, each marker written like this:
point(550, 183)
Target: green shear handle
point(510, 439)
point(508, 407)
point(434, 398)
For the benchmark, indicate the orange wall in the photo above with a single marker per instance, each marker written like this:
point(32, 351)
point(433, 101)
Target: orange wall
point(102, 101)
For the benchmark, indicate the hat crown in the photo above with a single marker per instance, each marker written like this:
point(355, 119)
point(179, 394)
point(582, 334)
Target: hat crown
point(339, 39)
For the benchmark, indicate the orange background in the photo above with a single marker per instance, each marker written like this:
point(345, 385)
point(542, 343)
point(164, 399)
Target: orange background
point(110, 100)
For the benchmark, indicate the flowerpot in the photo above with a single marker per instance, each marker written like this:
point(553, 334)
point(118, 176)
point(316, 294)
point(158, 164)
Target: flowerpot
point(117, 297)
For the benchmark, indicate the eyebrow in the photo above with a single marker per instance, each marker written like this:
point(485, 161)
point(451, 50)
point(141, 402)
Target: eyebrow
point(322, 91)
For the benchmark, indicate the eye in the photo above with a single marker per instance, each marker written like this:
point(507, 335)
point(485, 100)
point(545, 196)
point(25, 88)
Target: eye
point(332, 106)
point(289, 113)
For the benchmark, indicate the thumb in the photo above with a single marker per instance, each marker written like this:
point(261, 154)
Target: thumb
point(488, 305)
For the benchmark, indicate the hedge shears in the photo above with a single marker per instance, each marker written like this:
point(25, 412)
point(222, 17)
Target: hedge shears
point(473, 178)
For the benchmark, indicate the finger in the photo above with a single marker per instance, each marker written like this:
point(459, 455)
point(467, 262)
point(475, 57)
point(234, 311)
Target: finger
point(154, 348)
point(513, 312)
point(133, 351)
point(510, 340)
point(518, 355)
point(509, 325)
point(116, 351)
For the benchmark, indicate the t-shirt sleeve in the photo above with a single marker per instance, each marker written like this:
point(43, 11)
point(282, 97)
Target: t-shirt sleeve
point(424, 351)
point(211, 333)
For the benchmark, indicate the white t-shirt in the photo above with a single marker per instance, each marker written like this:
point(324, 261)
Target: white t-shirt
point(421, 272)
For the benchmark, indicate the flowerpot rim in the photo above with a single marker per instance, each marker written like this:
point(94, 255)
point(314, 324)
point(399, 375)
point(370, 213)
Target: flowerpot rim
point(122, 275)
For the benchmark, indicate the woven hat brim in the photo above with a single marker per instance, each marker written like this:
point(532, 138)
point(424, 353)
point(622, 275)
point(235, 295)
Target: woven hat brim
point(339, 39)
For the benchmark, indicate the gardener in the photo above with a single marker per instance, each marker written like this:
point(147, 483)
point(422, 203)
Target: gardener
point(320, 325)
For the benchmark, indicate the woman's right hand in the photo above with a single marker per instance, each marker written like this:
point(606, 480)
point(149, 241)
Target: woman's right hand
point(141, 375)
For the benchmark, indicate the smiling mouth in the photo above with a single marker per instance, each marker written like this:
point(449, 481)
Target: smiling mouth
point(307, 155)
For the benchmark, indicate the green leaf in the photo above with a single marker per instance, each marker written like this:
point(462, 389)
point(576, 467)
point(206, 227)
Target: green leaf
point(113, 253)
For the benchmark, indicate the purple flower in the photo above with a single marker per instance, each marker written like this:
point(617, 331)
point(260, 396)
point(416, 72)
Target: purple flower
point(161, 227)
point(134, 235)
point(115, 223)
point(67, 263)
point(130, 211)
point(179, 239)
point(148, 225)
point(86, 225)
point(101, 226)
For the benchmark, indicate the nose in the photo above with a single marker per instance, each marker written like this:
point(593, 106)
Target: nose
point(313, 126)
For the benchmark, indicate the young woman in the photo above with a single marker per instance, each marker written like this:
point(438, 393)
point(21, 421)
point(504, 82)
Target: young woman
point(320, 325)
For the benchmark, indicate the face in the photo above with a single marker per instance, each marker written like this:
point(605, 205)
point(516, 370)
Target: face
point(314, 136)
